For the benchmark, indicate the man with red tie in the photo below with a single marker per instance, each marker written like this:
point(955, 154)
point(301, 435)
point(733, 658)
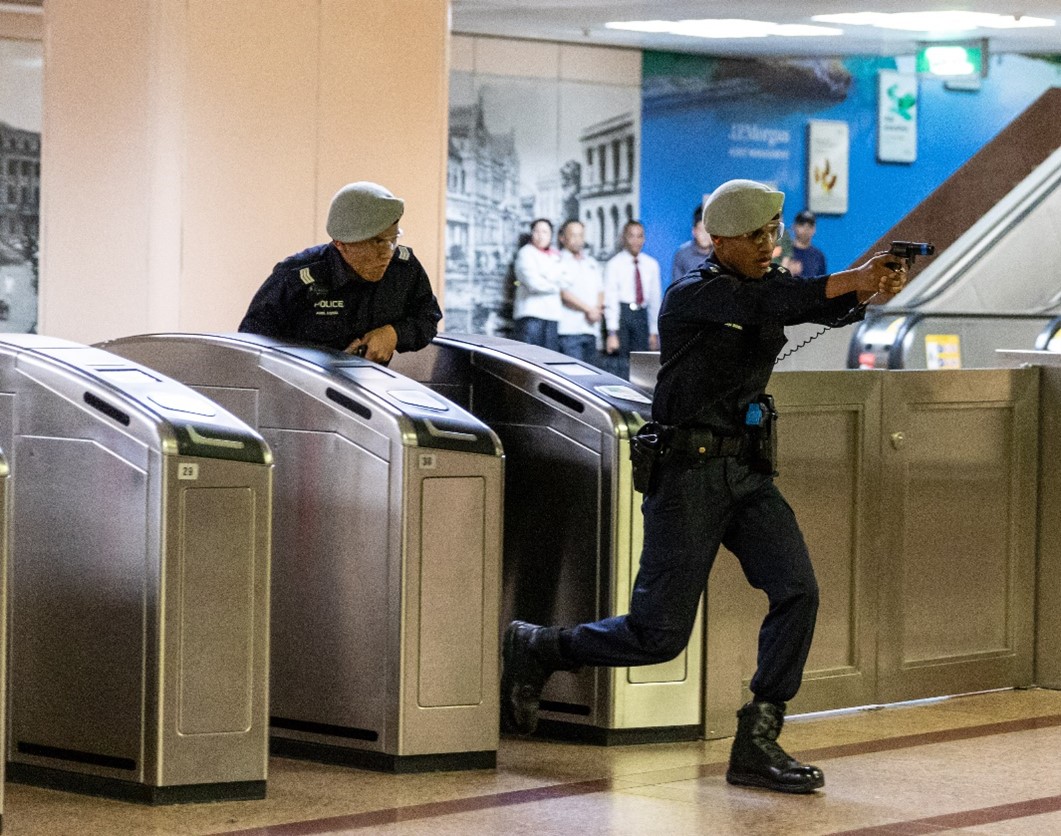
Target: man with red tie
point(631, 299)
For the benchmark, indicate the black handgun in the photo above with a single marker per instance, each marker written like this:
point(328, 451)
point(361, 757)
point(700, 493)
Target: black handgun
point(909, 250)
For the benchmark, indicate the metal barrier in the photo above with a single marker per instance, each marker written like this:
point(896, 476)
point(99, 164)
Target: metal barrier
point(916, 494)
point(139, 582)
point(913, 339)
point(1048, 545)
point(573, 529)
point(386, 550)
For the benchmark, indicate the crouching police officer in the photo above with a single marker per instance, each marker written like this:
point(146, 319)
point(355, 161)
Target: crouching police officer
point(721, 329)
point(363, 293)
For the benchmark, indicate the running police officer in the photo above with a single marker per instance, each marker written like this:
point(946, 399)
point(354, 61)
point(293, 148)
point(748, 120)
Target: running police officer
point(362, 293)
point(721, 329)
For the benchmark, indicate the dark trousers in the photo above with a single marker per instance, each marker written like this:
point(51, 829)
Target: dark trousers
point(530, 329)
point(633, 336)
point(580, 346)
point(690, 513)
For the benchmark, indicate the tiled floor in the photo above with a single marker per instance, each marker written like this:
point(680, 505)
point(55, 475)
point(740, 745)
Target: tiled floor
point(985, 764)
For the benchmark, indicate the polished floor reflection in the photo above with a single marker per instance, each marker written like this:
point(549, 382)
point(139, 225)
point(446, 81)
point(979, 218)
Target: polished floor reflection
point(985, 764)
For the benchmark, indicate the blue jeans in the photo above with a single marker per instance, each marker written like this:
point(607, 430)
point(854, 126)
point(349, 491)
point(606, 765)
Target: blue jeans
point(691, 512)
point(580, 346)
point(530, 329)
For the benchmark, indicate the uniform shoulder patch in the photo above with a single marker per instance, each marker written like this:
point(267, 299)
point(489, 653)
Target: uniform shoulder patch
point(403, 252)
point(306, 276)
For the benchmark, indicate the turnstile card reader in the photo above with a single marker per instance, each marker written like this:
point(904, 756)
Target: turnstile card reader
point(386, 550)
point(573, 527)
point(139, 580)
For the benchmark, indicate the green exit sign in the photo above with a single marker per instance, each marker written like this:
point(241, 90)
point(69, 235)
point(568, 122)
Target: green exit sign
point(952, 60)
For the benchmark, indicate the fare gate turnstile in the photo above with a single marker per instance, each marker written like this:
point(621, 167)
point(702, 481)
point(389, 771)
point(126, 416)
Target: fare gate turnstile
point(386, 551)
point(573, 528)
point(139, 580)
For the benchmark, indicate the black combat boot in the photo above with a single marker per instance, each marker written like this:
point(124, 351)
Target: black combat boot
point(529, 655)
point(757, 761)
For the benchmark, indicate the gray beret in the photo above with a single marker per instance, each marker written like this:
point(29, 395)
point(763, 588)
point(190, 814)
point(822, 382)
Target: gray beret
point(739, 206)
point(362, 210)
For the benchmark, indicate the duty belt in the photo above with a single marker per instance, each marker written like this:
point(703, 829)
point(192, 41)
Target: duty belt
point(696, 443)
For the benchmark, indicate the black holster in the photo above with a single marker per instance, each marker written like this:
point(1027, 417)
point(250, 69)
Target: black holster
point(646, 450)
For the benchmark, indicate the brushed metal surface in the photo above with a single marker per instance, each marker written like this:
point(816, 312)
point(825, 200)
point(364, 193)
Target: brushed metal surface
point(573, 526)
point(217, 602)
point(351, 576)
point(452, 566)
point(105, 622)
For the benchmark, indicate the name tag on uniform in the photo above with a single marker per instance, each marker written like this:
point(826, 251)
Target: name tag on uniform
point(328, 307)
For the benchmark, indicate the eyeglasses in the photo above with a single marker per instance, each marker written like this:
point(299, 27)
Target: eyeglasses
point(390, 241)
point(771, 231)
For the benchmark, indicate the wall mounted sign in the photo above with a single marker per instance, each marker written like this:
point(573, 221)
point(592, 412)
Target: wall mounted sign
point(943, 351)
point(897, 117)
point(828, 149)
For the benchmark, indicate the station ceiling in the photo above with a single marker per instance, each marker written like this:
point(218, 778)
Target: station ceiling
point(583, 22)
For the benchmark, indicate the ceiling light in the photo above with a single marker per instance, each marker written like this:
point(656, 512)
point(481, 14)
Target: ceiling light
point(725, 28)
point(947, 21)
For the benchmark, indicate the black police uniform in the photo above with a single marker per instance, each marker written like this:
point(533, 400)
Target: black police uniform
point(315, 297)
point(720, 335)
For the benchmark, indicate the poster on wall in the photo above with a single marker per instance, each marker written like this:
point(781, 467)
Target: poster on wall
point(897, 117)
point(521, 149)
point(828, 151)
point(21, 103)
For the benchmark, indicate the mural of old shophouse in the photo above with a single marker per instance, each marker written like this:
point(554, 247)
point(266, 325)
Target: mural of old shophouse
point(20, 186)
point(608, 194)
point(484, 217)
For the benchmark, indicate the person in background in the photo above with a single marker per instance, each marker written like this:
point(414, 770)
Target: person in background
point(631, 299)
point(363, 293)
point(692, 253)
point(582, 297)
point(721, 328)
point(536, 308)
point(805, 259)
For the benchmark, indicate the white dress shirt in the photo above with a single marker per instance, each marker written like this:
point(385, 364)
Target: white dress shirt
point(583, 278)
point(539, 284)
point(619, 288)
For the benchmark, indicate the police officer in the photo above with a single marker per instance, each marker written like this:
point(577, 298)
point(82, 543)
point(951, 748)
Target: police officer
point(721, 330)
point(362, 293)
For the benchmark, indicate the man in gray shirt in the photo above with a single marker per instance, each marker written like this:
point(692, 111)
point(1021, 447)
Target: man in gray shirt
point(691, 254)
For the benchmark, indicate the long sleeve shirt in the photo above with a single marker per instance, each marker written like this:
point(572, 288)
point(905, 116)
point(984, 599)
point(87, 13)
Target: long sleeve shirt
point(619, 288)
point(720, 335)
point(539, 282)
point(315, 297)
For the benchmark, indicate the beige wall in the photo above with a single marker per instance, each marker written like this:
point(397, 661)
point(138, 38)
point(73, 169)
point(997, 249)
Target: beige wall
point(189, 145)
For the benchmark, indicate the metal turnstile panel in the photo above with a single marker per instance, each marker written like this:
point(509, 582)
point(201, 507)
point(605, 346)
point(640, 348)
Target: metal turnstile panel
point(959, 483)
point(573, 528)
point(385, 594)
point(213, 712)
point(453, 568)
point(78, 633)
point(216, 637)
point(324, 609)
point(142, 520)
point(451, 565)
